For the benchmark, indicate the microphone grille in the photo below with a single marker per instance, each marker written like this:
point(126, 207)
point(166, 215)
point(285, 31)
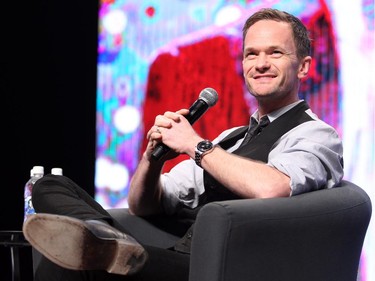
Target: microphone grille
point(209, 95)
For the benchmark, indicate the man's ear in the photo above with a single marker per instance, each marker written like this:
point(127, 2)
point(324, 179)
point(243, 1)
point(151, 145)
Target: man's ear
point(304, 67)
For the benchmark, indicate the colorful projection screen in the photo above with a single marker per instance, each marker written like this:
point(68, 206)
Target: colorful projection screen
point(155, 56)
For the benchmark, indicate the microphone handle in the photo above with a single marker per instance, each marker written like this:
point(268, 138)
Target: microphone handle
point(160, 150)
point(198, 108)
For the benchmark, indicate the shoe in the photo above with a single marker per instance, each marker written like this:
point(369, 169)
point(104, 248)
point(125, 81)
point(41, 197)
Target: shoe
point(84, 245)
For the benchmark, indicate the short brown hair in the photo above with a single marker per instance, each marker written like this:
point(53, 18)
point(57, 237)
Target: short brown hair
point(300, 32)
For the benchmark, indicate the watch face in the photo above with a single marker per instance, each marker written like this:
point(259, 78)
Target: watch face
point(204, 146)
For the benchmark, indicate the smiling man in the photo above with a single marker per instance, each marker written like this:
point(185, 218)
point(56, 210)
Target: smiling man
point(284, 150)
point(272, 63)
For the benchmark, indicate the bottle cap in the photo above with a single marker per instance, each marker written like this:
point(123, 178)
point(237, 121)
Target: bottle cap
point(38, 170)
point(57, 171)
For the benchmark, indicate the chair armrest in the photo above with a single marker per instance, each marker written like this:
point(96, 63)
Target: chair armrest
point(313, 236)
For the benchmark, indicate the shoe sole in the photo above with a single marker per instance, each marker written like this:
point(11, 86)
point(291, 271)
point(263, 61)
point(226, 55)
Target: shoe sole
point(68, 243)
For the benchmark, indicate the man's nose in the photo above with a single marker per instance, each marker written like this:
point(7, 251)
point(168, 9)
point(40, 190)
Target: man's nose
point(262, 62)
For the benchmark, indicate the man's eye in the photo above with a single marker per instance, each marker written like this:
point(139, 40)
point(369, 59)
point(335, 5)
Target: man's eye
point(277, 53)
point(250, 55)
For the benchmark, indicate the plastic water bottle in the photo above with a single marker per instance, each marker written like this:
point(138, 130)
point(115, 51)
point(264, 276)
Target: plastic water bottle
point(36, 173)
point(57, 171)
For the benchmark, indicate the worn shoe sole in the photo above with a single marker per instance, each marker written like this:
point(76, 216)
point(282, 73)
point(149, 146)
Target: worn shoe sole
point(67, 242)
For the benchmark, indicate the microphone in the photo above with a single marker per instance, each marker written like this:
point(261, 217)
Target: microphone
point(207, 98)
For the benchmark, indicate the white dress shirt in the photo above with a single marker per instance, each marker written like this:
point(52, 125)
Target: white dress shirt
point(311, 154)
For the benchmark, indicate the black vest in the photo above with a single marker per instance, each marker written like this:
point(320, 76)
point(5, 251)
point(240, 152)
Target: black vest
point(258, 148)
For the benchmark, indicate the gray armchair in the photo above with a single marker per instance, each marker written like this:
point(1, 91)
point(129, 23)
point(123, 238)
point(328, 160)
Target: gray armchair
point(313, 236)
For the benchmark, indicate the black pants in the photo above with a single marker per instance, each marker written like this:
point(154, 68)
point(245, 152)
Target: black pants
point(61, 196)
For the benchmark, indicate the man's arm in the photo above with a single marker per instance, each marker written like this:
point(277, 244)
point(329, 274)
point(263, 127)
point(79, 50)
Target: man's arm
point(244, 177)
point(145, 188)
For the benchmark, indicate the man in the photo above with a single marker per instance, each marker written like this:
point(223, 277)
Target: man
point(290, 152)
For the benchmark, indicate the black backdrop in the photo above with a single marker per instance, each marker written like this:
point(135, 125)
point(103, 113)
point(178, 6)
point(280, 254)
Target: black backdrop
point(48, 96)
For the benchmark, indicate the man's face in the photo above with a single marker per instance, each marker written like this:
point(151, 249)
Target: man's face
point(270, 64)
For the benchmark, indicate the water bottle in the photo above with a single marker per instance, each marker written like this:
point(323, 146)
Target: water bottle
point(35, 173)
point(57, 171)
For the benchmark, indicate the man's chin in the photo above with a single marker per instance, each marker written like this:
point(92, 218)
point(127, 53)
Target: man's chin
point(262, 95)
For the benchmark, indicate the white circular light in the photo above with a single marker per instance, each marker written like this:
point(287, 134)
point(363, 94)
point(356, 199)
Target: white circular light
point(126, 119)
point(119, 177)
point(103, 168)
point(227, 15)
point(115, 22)
point(110, 175)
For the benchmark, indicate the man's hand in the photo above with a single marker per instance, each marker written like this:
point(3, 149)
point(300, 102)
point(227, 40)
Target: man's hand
point(172, 129)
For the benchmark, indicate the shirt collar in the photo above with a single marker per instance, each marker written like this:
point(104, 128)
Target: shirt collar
point(277, 113)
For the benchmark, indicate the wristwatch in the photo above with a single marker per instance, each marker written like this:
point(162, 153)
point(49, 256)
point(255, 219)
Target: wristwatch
point(201, 149)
